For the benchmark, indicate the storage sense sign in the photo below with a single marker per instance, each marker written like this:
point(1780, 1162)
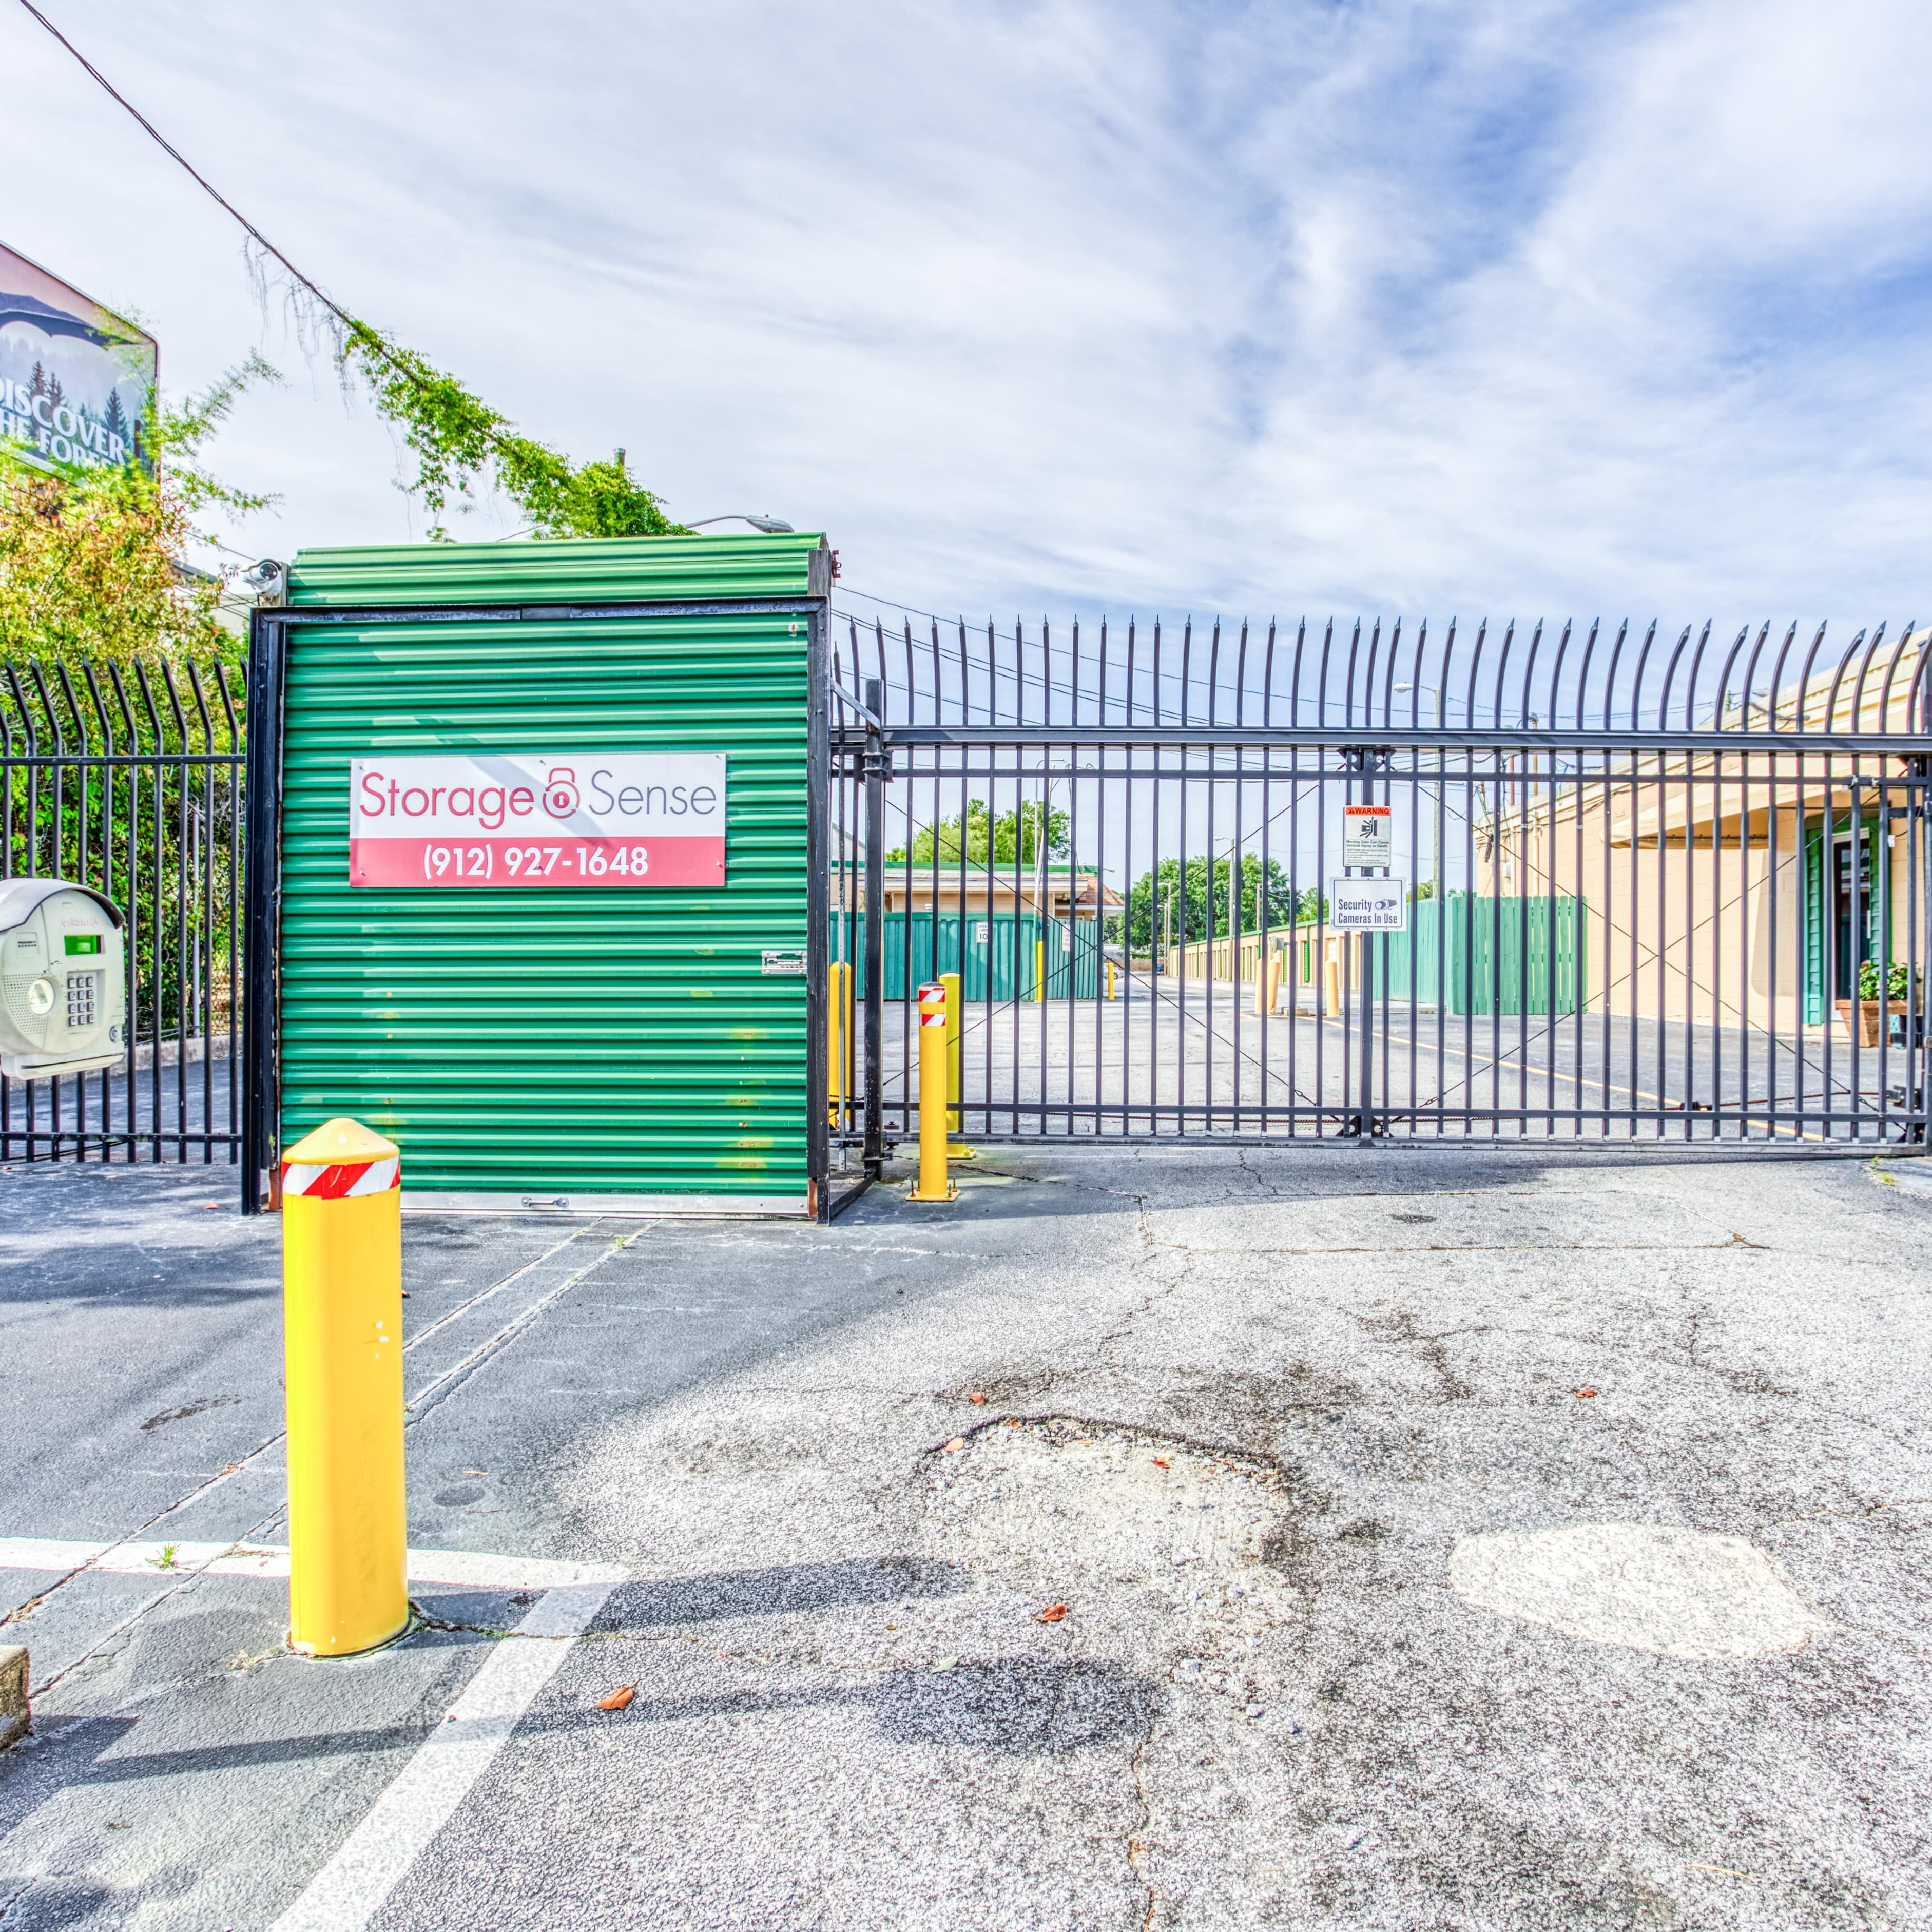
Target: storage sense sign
point(566, 818)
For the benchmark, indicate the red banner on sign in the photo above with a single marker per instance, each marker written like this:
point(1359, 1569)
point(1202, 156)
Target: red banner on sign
point(531, 861)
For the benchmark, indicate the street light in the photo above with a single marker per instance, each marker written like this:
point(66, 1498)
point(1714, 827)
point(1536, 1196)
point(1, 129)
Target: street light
point(770, 526)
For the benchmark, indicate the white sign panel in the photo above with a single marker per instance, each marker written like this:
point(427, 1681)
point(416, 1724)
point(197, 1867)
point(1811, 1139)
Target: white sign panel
point(1367, 834)
point(1368, 905)
point(538, 818)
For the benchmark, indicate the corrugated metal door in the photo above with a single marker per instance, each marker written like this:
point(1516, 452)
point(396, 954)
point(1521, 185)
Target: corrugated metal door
point(544, 1044)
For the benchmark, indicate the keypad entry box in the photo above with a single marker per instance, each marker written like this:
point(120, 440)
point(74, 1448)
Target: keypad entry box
point(63, 980)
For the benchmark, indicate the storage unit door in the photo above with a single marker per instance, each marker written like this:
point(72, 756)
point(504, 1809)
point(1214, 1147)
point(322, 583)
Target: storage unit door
point(547, 1041)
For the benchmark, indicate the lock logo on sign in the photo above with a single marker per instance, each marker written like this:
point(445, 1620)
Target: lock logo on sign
point(560, 795)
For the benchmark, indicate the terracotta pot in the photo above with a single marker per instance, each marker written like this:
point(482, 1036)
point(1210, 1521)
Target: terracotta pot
point(1868, 1020)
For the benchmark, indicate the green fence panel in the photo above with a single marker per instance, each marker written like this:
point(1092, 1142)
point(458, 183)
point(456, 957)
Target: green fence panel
point(1470, 953)
point(995, 955)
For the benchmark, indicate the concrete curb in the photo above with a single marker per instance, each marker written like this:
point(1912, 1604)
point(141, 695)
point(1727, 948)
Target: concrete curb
point(195, 1049)
point(16, 1718)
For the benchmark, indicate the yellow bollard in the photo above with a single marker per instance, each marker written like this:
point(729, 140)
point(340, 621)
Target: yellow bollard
point(1110, 979)
point(1039, 971)
point(932, 1184)
point(838, 1038)
point(1268, 984)
point(954, 1007)
point(342, 1326)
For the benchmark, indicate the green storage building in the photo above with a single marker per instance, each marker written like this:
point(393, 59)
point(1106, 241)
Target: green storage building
point(615, 1042)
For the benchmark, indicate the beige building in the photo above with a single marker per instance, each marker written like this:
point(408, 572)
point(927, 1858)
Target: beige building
point(1745, 888)
point(1733, 888)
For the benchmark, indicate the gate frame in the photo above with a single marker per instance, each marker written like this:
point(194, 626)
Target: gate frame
point(873, 746)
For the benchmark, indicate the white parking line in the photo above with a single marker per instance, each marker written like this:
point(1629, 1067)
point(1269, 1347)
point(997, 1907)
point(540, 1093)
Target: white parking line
point(350, 1889)
point(472, 1569)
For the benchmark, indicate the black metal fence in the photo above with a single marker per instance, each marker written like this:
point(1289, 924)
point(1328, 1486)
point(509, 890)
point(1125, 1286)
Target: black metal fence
point(128, 778)
point(1526, 883)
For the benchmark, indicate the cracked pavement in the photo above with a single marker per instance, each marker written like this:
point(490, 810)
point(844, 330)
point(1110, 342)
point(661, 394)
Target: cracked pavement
point(1239, 1410)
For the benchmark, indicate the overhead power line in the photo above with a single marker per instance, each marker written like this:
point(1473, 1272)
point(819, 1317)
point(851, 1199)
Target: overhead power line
point(368, 341)
point(168, 148)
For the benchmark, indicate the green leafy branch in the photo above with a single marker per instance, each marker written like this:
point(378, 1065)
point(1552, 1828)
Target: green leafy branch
point(456, 436)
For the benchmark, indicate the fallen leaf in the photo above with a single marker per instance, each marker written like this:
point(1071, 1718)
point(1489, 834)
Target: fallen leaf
point(619, 1699)
point(1160, 1461)
point(977, 1399)
point(953, 1447)
point(1585, 1392)
point(207, 1207)
point(1013, 1422)
point(1052, 1614)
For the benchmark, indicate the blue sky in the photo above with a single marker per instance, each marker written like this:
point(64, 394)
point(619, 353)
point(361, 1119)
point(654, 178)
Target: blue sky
point(1492, 308)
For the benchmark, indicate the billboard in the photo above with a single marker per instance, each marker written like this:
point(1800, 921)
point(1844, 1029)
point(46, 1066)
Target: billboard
point(75, 380)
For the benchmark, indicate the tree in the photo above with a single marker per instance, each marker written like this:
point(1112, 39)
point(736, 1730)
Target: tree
point(1008, 840)
point(94, 566)
point(1171, 906)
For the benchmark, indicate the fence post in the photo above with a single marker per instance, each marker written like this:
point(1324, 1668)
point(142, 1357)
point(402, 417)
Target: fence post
point(877, 763)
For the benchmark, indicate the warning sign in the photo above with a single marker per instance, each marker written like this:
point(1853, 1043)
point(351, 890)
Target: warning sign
point(1367, 834)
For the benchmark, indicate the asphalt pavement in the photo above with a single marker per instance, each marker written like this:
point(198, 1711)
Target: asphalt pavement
point(1363, 1538)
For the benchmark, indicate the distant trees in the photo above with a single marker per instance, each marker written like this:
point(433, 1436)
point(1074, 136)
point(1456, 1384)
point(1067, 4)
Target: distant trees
point(1013, 838)
point(1174, 903)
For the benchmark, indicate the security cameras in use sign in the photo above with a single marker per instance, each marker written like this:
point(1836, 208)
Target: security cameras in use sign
point(530, 818)
point(1368, 905)
point(1367, 834)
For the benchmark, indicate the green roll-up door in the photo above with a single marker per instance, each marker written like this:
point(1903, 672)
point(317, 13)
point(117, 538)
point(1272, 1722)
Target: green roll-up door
point(539, 1044)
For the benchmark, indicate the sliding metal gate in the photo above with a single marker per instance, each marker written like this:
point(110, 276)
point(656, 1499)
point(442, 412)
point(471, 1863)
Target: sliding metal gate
point(1648, 887)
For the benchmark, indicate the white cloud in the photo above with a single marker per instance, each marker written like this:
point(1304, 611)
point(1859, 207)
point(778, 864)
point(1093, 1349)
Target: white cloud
point(1491, 306)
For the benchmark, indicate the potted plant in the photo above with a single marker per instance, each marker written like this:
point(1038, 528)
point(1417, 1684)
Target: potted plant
point(1897, 993)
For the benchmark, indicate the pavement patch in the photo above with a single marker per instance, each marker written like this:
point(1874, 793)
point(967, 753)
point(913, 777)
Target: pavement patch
point(1108, 1524)
point(1647, 1586)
